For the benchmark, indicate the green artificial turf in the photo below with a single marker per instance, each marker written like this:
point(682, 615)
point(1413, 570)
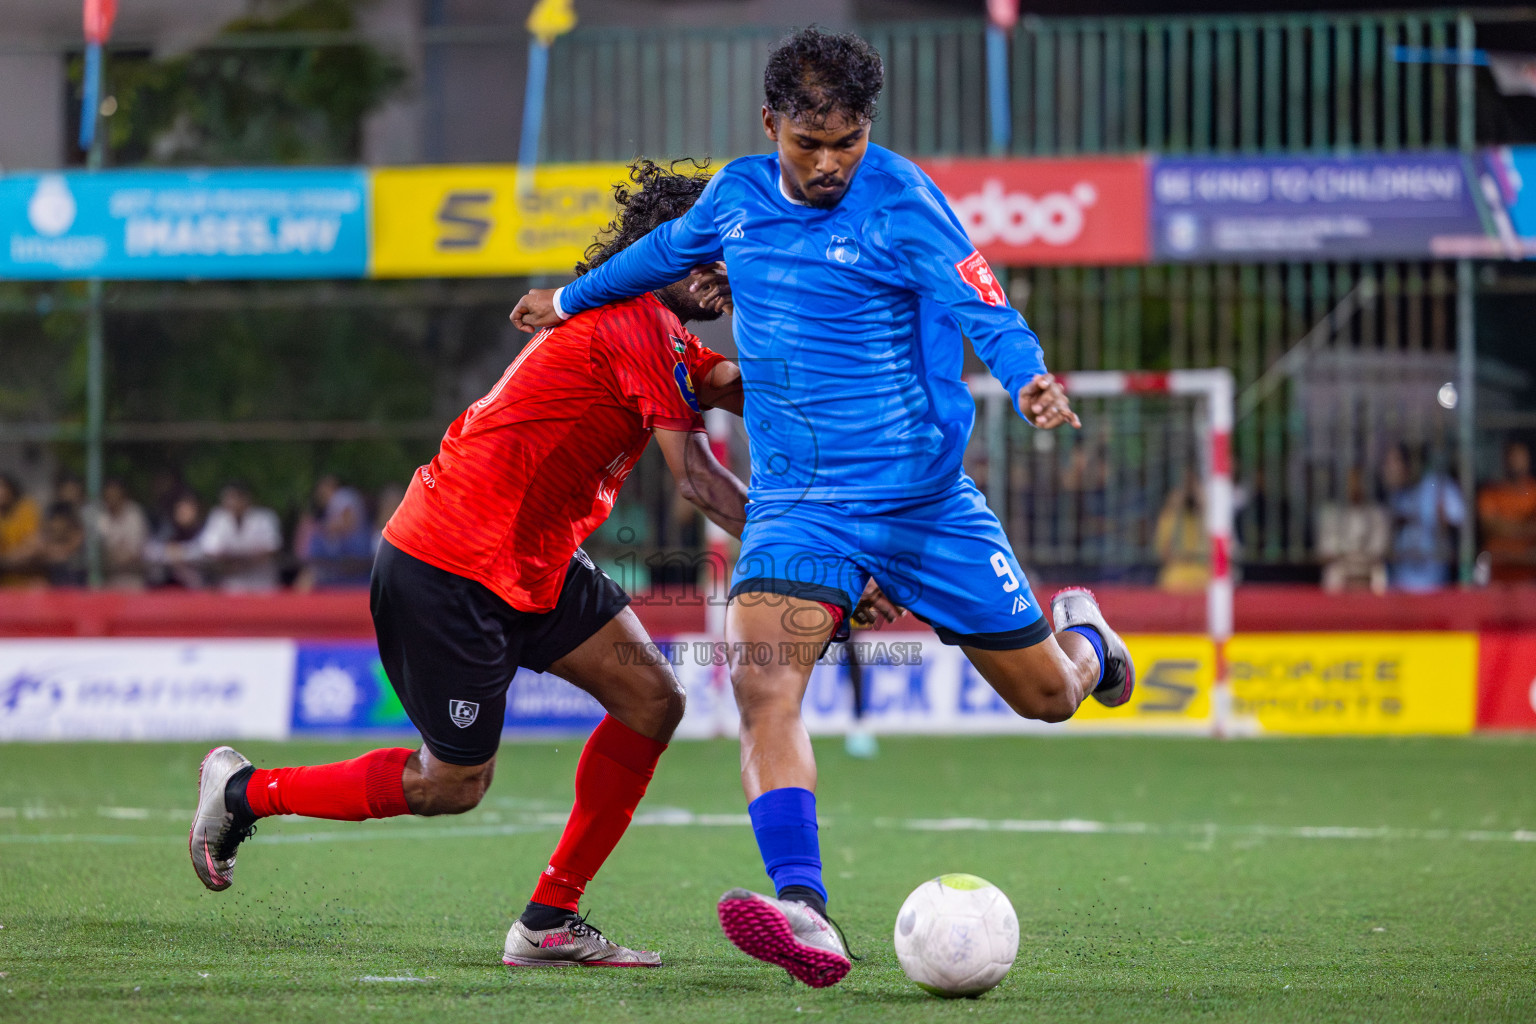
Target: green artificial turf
point(1277, 880)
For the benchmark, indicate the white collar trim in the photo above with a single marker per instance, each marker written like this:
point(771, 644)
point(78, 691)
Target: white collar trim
point(784, 191)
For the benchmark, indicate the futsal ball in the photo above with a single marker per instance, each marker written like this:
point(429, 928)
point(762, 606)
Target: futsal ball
point(957, 935)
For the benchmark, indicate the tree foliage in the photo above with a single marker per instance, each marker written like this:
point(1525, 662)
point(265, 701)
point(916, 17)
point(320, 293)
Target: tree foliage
point(302, 104)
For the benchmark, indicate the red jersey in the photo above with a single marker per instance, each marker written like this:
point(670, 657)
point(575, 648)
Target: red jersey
point(530, 470)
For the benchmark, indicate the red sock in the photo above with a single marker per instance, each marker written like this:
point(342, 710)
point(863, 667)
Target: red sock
point(615, 767)
point(364, 787)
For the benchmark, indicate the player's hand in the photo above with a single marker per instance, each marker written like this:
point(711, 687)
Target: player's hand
point(1043, 401)
point(535, 310)
point(874, 607)
point(711, 287)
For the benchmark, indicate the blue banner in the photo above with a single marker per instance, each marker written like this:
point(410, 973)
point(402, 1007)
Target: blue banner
point(1218, 209)
point(185, 224)
point(340, 687)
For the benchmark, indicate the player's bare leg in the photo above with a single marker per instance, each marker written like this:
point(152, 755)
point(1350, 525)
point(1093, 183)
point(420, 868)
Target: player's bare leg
point(644, 704)
point(1050, 680)
point(773, 643)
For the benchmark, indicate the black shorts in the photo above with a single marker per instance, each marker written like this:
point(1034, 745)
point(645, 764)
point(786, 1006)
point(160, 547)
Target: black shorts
point(450, 645)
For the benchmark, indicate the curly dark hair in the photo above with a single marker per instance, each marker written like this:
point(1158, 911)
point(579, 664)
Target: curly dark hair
point(813, 74)
point(663, 194)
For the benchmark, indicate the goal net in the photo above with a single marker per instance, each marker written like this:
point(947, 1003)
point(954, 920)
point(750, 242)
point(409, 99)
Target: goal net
point(1141, 496)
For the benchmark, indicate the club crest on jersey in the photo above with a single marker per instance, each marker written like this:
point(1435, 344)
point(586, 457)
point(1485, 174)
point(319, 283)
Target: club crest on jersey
point(843, 250)
point(975, 272)
point(463, 712)
point(685, 385)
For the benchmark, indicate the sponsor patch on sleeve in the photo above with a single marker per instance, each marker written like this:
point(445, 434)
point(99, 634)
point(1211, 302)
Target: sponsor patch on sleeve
point(975, 272)
point(685, 385)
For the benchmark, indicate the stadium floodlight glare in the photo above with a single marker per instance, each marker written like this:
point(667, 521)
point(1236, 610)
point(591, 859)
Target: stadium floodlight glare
point(1214, 393)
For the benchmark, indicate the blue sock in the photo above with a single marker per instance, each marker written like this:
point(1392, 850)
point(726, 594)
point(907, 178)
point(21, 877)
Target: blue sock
point(784, 821)
point(1092, 636)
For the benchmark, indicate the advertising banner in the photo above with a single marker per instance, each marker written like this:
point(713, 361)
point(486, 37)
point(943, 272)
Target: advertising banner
point(341, 687)
point(1413, 205)
point(1039, 211)
point(913, 684)
point(1509, 186)
point(474, 221)
point(1506, 681)
point(1362, 684)
point(185, 224)
point(145, 689)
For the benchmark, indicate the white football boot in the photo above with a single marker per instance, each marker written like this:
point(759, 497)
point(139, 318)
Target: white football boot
point(215, 834)
point(786, 933)
point(1076, 606)
point(574, 943)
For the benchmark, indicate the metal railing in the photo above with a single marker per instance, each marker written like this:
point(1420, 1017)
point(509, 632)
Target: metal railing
point(1227, 84)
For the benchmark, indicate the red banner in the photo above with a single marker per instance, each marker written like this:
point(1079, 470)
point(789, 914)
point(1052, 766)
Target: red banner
point(1506, 681)
point(1028, 212)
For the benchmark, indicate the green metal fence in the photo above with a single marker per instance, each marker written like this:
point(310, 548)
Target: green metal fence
point(1230, 84)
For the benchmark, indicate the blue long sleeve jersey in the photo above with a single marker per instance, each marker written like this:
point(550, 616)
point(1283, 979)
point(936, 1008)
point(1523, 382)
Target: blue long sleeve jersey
point(848, 325)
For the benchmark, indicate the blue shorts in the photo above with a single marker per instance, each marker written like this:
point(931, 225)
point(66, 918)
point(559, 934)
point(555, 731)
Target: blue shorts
point(944, 558)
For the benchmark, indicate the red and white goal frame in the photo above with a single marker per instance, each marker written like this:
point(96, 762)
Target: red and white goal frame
point(1214, 393)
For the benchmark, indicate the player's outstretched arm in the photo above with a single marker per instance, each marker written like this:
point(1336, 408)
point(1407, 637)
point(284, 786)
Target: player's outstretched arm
point(1043, 402)
point(722, 388)
point(702, 480)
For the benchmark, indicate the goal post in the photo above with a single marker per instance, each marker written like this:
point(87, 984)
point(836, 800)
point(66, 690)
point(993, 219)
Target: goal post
point(1214, 395)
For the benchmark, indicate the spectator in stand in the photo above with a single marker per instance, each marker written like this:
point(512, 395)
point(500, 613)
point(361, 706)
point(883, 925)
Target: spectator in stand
point(172, 556)
point(124, 531)
point(61, 546)
point(1425, 506)
point(1182, 541)
point(68, 489)
point(18, 534)
point(1353, 538)
point(337, 543)
point(1506, 511)
point(241, 541)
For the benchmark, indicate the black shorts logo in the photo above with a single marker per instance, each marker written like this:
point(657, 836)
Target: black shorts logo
point(463, 712)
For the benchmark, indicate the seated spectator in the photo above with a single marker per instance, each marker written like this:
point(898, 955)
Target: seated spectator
point(337, 545)
point(124, 531)
point(172, 556)
point(1182, 541)
point(68, 489)
point(61, 546)
point(241, 541)
point(1353, 538)
point(1506, 511)
point(18, 535)
point(1425, 506)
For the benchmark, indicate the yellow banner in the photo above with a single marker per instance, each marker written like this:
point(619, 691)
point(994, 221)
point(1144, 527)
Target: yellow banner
point(1355, 683)
point(472, 221)
point(1173, 688)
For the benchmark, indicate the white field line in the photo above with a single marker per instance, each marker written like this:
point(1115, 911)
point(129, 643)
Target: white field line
point(677, 817)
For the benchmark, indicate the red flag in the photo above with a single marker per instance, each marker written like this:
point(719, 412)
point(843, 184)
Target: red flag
point(99, 15)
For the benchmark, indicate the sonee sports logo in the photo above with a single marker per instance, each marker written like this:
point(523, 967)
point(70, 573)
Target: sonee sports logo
point(463, 712)
point(975, 272)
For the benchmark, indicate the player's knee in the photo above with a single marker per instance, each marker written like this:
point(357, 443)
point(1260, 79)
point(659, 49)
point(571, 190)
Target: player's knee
point(1051, 702)
point(665, 704)
point(453, 795)
point(763, 695)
